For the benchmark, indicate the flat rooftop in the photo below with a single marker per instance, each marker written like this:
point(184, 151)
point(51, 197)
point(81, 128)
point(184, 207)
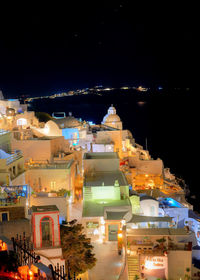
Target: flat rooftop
point(96, 209)
point(100, 156)
point(44, 138)
point(104, 178)
point(44, 208)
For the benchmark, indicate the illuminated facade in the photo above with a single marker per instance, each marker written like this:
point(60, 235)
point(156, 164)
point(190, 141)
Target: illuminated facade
point(46, 234)
point(105, 196)
point(47, 177)
point(159, 253)
point(72, 129)
point(41, 149)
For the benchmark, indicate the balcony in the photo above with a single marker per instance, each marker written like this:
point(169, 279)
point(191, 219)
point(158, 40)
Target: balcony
point(46, 165)
point(13, 156)
point(155, 249)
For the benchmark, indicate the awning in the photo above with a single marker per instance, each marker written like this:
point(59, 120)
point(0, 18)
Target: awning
point(141, 219)
point(115, 215)
point(43, 268)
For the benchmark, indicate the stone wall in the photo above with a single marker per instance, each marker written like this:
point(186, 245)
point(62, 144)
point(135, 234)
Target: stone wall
point(12, 228)
point(15, 213)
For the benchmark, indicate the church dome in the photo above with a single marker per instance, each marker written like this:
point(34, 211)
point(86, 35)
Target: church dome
point(67, 122)
point(112, 119)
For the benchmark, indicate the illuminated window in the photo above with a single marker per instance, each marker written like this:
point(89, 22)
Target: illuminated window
point(22, 121)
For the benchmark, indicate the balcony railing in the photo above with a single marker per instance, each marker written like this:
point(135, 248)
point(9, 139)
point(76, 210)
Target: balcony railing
point(45, 165)
point(13, 157)
point(150, 249)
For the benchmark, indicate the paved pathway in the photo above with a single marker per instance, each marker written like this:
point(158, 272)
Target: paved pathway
point(75, 211)
point(109, 263)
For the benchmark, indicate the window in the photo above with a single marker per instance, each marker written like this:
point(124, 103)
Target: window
point(152, 210)
point(4, 216)
point(22, 121)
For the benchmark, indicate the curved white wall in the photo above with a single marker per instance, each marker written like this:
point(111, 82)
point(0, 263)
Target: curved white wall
point(52, 129)
point(149, 207)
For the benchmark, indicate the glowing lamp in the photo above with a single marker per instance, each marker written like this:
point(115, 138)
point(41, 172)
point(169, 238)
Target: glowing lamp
point(123, 222)
point(119, 235)
point(96, 231)
point(30, 273)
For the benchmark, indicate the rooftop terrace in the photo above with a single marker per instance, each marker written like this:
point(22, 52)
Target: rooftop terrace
point(96, 209)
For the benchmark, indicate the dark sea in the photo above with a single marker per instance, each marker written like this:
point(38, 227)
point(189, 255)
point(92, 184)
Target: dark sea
point(169, 122)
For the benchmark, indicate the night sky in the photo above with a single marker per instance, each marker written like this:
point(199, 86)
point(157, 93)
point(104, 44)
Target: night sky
point(53, 48)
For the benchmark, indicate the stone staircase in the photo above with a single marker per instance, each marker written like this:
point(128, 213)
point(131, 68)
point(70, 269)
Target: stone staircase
point(133, 267)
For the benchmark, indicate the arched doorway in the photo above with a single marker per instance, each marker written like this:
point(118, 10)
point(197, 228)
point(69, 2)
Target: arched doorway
point(46, 226)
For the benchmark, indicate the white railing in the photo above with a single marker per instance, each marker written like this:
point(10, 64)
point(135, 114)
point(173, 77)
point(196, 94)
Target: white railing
point(13, 157)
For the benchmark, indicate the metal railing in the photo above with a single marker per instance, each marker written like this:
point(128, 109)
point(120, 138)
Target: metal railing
point(46, 165)
point(24, 251)
point(26, 256)
point(13, 157)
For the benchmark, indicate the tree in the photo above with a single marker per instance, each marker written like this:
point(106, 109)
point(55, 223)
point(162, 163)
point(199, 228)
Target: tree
point(77, 249)
point(43, 117)
point(161, 242)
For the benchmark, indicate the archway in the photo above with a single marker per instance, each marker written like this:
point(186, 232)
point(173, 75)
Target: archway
point(47, 232)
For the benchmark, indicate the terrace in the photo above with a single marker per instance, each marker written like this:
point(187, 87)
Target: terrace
point(156, 248)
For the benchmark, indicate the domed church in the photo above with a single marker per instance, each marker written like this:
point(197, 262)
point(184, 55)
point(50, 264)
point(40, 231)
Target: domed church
point(112, 119)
